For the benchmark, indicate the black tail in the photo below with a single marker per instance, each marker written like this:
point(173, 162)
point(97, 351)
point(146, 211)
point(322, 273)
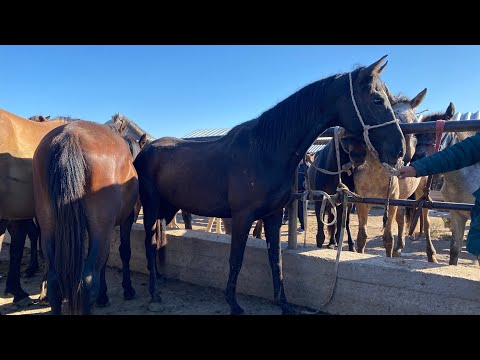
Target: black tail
point(161, 233)
point(67, 169)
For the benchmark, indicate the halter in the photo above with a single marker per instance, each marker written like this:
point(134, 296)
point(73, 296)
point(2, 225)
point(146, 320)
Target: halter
point(367, 127)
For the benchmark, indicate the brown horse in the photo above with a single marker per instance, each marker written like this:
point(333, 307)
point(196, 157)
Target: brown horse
point(255, 164)
point(371, 179)
point(19, 137)
point(84, 184)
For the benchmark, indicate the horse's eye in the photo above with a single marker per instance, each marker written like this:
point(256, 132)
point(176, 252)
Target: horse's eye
point(378, 101)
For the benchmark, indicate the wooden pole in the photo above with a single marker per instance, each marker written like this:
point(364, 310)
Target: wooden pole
point(292, 216)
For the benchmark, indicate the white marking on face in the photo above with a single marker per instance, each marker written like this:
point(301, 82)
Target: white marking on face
point(404, 112)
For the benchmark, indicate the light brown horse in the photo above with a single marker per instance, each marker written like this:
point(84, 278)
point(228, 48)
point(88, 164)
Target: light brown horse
point(371, 179)
point(84, 184)
point(19, 137)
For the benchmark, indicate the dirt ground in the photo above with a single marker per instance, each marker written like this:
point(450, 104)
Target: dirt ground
point(187, 299)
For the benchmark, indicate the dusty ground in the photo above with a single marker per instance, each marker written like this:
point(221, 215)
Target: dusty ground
point(183, 298)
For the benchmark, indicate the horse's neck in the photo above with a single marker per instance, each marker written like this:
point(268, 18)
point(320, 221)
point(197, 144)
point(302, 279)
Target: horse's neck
point(308, 121)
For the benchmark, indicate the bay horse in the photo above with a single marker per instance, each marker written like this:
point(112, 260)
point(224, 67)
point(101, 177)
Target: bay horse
point(458, 185)
point(353, 150)
point(255, 164)
point(84, 185)
point(371, 179)
point(19, 137)
point(16, 227)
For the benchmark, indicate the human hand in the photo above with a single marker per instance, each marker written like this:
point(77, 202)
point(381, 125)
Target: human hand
point(407, 171)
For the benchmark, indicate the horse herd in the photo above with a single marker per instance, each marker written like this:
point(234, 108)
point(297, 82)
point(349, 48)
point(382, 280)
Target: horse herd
point(80, 179)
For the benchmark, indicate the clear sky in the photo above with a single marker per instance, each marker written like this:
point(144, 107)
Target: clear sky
point(173, 90)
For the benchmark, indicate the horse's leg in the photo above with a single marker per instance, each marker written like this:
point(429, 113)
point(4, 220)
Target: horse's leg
point(431, 253)
point(257, 232)
point(387, 233)
point(33, 235)
point(18, 233)
point(400, 218)
point(347, 225)
point(272, 235)
point(320, 227)
point(241, 224)
point(187, 219)
point(362, 213)
point(150, 215)
point(98, 250)
point(3, 228)
point(102, 299)
point(458, 230)
point(125, 255)
point(53, 286)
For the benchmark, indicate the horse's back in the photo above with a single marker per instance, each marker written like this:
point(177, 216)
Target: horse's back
point(110, 177)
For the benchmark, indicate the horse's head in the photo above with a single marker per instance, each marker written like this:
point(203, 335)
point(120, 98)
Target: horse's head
point(404, 110)
point(426, 142)
point(136, 146)
point(119, 123)
point(39, 118)
point(367, 101)
point(356, 149)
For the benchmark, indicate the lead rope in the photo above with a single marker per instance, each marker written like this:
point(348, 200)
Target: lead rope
point(342, 190)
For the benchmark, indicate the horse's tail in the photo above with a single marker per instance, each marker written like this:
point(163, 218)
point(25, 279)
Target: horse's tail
point(67, 169)
point(161, 233)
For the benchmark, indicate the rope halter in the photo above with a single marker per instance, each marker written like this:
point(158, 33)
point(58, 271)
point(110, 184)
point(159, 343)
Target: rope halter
point(367, 127)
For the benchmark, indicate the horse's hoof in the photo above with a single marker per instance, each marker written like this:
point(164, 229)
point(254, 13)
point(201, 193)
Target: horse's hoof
point(397, 253)
point(23, 301)
point(129, 294)
point(433, 259)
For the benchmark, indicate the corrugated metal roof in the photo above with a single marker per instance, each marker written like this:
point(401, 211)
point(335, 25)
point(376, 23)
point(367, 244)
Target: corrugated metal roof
point(202, 133)
point(315, 148)
point(466, 116)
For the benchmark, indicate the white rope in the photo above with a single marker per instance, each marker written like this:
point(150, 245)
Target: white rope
point(367, 127)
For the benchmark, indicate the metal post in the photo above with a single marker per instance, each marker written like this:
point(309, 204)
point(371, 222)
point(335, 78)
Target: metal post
point(292, 216)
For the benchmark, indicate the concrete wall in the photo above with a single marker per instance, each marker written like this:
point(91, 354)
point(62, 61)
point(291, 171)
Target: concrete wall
point(366, 284)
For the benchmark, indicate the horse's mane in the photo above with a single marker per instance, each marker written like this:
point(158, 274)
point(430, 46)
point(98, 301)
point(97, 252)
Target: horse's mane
point(433, 117)
point(400, 98)
point(272, 126)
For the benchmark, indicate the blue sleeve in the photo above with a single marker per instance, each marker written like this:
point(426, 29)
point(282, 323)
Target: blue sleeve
point(460, 155)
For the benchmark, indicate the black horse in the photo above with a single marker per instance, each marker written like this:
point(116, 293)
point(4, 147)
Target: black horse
point(354, 151)
point(255, 164)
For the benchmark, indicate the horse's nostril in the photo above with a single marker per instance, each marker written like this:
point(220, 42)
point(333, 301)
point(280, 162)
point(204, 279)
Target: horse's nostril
point(400, 153)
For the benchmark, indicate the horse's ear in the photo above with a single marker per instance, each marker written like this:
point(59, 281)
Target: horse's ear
point(416, 101)
point(142, 141)
point(450, 112)
point(377, 67)
point(47, 117)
